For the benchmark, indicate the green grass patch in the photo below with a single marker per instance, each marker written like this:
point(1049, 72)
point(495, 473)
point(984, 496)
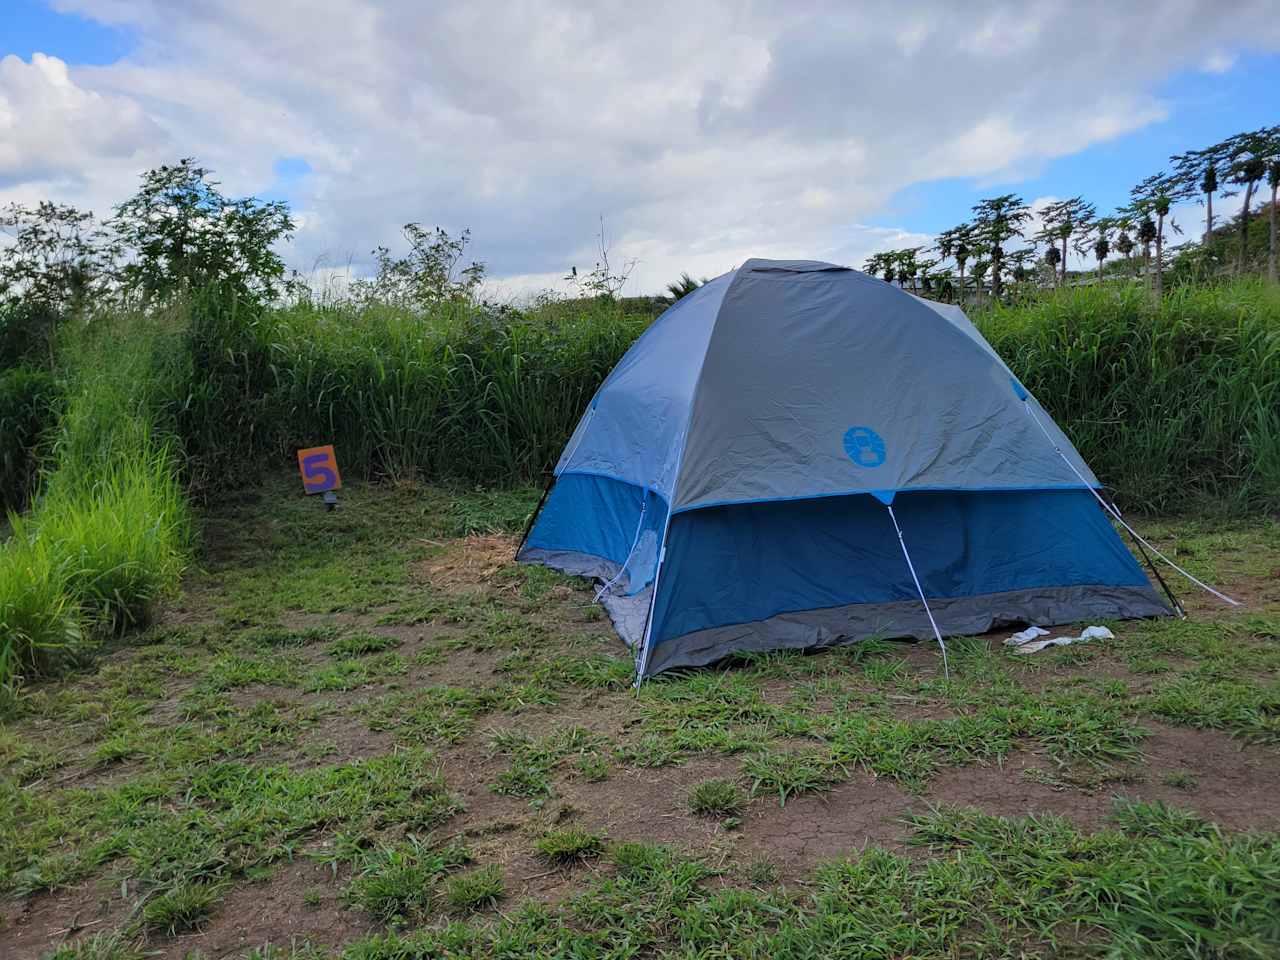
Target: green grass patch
point(572, 845)
point(715, 798)
point(394, 884)
point(476, 890)
point(180, 909)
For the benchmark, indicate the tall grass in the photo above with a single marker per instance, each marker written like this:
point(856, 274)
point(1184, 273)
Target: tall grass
point(1175, 405)
point(1172, 405)
point(110, 531)
point(476, 394)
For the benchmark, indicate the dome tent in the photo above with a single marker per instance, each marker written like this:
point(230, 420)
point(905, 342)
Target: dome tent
point(752, 473)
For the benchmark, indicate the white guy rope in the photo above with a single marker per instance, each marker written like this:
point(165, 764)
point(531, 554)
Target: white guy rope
point(946, 668)
point(1116, 513)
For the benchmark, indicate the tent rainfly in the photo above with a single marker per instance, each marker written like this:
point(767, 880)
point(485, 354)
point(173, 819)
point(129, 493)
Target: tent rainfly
point(798, 455)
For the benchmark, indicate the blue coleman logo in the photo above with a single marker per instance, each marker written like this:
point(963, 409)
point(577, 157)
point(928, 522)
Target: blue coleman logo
point(864, 446)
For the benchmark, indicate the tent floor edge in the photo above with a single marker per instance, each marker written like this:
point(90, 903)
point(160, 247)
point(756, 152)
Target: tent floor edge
point(905, 619)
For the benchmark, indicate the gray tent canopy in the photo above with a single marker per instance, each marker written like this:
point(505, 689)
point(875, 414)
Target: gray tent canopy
point(751, 474)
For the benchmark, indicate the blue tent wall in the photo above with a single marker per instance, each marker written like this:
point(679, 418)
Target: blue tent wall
point(589, 518)
point(1028, 556)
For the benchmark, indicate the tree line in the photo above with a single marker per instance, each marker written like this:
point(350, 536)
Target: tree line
point(996, 244)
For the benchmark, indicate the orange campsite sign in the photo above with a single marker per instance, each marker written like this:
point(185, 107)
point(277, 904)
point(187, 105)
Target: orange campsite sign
point(319, 469)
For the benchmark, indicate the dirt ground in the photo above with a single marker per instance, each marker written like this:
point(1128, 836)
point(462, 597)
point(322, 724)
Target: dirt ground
point(310, 645)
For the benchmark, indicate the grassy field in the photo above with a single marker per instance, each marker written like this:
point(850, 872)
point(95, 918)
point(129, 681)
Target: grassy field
point(369, 734)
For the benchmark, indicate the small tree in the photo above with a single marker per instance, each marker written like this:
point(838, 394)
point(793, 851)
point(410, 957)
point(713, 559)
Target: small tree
point(57, 258)
point(429, 274)
point(1062, 220)
point(181, 233)
point(996, 221)
point(1273, 181)
point(1101, 247)
point(1124, 244)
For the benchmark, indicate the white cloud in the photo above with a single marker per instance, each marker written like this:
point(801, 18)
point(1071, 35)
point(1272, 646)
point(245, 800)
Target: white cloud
point(53, 130)
point(1218, 62)
point(703, 133)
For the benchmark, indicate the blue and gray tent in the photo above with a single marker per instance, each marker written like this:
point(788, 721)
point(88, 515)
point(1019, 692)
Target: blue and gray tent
point(798, 455)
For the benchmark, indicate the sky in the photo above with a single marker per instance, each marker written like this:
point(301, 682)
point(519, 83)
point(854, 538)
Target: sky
point(698, 134)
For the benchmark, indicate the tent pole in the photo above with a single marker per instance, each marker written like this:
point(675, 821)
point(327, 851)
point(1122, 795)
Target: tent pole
point(1155, 571)
point(946, 667)
point(528, 527)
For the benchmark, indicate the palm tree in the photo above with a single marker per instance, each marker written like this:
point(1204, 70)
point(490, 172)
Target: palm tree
point(1124, 243)
point(1251, 155)
point(1273, 181)
point(980, 267)
point(1208, 184)
point(1101, 247)
point(1198, 170)
point(954, 244)
point(1060, 221)
point(1155, 195)
point(1146, 236)
point(961, 255)
point(1053, 257)
point(997, 220)
point(682, 287)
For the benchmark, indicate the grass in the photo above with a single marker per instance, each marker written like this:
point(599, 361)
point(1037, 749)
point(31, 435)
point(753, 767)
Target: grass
point(477, 890)
point(1132, 382)
point(180, 909)
point(573, 845)
point(197, 754)
point(715, 798)
point(1156, 885)
point(110, 532)
point(395, 884)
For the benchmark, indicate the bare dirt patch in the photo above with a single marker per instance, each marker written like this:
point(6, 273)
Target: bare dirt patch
point(460, 566)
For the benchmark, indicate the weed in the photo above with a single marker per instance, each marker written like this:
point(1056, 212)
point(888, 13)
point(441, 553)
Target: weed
point(789, 774)
point(357, 644)
point(180, 908)
point(569, 846)
point(715, 798)
point(1180, 780)
point(761, 871)
point(477, 890)
point(101, 946)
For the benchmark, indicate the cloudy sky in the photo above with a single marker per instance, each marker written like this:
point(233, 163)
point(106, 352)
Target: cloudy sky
point(702, 133)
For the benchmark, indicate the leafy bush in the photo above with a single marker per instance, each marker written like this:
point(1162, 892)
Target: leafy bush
point(27, 410)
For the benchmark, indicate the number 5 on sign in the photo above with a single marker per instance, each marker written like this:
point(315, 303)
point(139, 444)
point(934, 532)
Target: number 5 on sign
point(319, 469)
